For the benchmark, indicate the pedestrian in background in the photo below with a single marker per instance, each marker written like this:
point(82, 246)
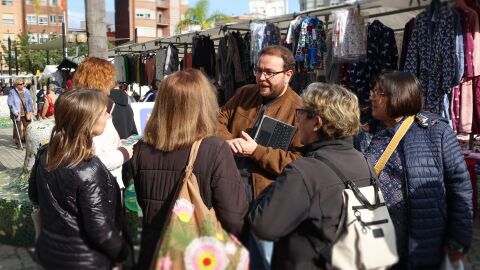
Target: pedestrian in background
point(184, 112)
point(21, 110)
point(80, 207)
point(49, 102)
point(425, 182)
point(152, 93)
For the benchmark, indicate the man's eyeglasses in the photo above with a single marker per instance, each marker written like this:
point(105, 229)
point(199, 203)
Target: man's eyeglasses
point(19, 83)
point(267, 73)
point(310, 112)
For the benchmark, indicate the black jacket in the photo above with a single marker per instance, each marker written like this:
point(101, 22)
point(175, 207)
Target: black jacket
point(80, 209)
point(122, 114)
point(157, 174)
point(306, 201)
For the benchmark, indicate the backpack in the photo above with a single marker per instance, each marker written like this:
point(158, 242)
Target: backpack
point(365, 237)
point(192, 237)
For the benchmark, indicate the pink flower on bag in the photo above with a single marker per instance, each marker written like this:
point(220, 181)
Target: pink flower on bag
point(165, 263)
point(183, 208)
point(206, 253)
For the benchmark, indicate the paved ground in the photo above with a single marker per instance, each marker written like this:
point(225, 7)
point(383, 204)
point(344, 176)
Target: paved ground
point(16, 258)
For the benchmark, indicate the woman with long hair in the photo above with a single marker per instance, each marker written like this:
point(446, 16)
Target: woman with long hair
point(185, 111)
point(79, 201)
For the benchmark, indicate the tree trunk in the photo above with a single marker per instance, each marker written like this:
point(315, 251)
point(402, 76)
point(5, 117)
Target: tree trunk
point(96, 28)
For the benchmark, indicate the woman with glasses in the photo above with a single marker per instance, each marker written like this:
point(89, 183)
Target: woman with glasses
point(305, 201)
point(425, 181)
point(21, 110)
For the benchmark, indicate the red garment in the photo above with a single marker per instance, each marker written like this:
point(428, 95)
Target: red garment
point(455, 108)
point(187, 61)
point(467, 41)
point(476, 105)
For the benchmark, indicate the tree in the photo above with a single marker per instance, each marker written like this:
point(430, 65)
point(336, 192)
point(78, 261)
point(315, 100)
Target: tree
point(96, 28)
point(31, 60)
point(197, 15)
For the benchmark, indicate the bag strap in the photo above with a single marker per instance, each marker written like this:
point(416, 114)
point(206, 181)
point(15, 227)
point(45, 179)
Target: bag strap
point(393, 144)
point(21, 100)
point(192, 157)
point(188, 170)
point(351, 185)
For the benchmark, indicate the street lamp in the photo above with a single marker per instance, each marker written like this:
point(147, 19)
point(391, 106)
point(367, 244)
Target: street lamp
point(79, 38)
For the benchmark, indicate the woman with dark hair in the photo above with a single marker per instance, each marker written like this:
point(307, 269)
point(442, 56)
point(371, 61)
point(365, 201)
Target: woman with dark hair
point(152, 93)
point(79, 201)
point(184, 112)
point(425, 181)
point(49, 103)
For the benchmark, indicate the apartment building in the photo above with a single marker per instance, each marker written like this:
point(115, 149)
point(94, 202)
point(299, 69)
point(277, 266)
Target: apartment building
point(152, 19)
point(10, 26)
point(312, 4)
point(267, 8)
point(43, 20)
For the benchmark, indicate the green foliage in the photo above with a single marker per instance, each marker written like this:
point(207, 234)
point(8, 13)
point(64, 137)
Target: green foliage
point(197, 15)
point(32, 60)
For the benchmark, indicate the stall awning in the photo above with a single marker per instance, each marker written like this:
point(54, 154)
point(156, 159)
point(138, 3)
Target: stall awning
point(67, 63)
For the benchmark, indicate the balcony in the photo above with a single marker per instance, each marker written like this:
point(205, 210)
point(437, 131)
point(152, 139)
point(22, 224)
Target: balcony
point(163, 23)
point(162, 4)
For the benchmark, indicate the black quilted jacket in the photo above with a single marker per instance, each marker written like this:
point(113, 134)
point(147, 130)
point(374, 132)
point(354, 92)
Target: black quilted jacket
point(80, 210)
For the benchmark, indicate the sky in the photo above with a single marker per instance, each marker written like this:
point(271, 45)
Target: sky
point(76, 8)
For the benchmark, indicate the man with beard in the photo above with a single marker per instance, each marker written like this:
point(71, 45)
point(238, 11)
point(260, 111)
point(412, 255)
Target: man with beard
point(239, 119)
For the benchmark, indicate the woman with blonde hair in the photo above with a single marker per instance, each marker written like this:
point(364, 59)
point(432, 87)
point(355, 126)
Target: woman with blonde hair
point(79, 201)
point(185, 111)
point(306, 201)
point(99, 74)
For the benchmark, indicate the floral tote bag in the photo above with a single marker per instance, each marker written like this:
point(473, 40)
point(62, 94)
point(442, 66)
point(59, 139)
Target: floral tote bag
point(193, 238)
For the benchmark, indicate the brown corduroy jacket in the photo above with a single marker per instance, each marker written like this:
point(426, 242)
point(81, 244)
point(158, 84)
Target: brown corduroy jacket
point(240, 113)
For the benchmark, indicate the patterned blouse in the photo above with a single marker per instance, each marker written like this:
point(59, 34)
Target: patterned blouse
point(392, 184)
point(431, 55)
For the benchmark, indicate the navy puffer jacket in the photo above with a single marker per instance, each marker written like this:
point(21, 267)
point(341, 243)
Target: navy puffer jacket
point(439, 191)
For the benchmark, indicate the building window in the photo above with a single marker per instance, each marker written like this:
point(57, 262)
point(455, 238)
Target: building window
point(142, 13)
point(144, 31)
point(53, 3)
point(32, 37)
point(60, 19)
point(43, 20)
point(7, 2)
point(160, 17)
point(8, 18)
point(43, 37)
point(43, 2)
point(29, 2)
point(31, 19)
point(53, 19)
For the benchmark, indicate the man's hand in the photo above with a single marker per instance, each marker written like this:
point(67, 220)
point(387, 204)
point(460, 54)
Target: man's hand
point(236, 146)
point(248, 144)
